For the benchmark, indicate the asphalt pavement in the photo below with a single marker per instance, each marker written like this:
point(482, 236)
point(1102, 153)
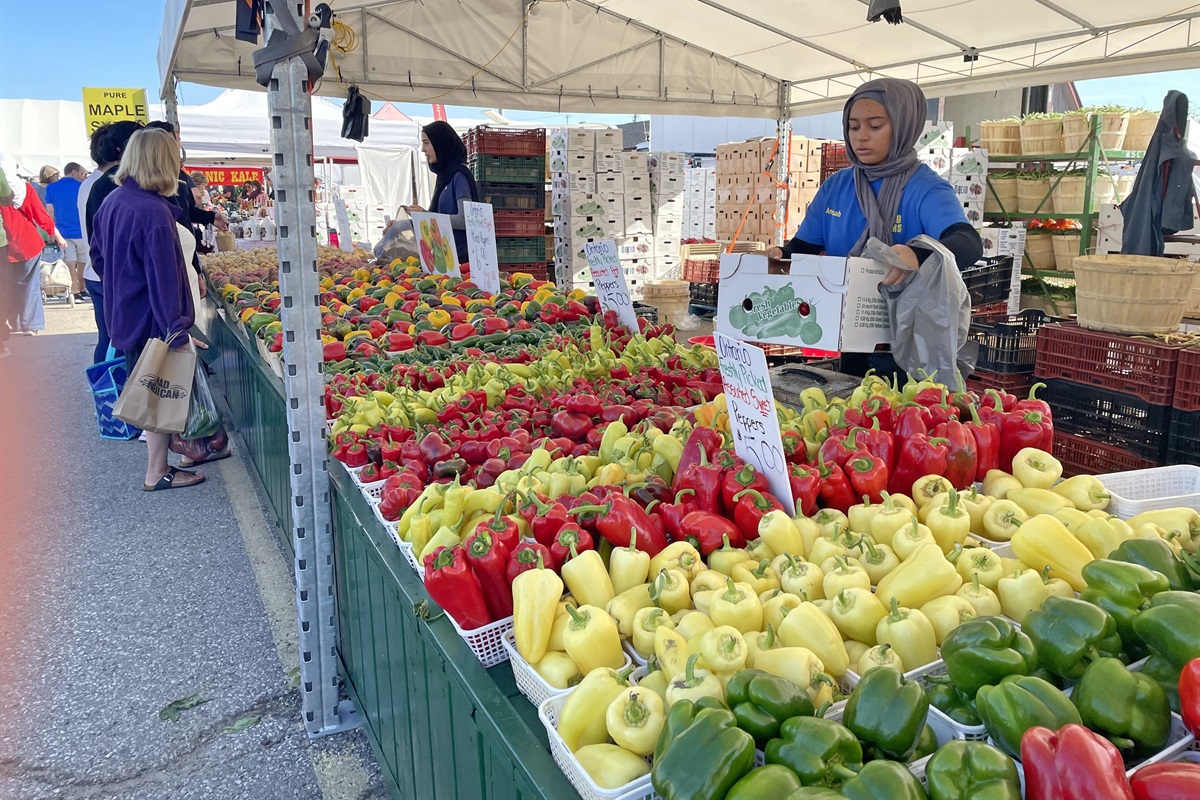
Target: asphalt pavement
point(116, 603)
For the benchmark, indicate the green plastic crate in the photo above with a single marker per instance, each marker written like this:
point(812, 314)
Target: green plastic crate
point(508, 169)
point(520, 249)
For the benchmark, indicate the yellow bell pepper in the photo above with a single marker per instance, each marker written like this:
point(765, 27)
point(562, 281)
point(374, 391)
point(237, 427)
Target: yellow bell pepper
point(738, 606)
point(908, 540)
point(694, 684)
point(890, 518)
point(1002, 519)
point(929, 487)
point(984, 600)
point(946, 613)
point(671, 651)
point(591, 639)
point(799, 665)
point(759, 642)
point(978, 562)
point(722, 650)
point(759, 577)
point(910, 634)
point(861, 515)
point(777, 607)
point(829, 522)
point(808, 532)
point(724, 558)
point(801, 578)
point(1072, 517)
point(1056, 587)
point(781, 534)
point(689, 623)
point(949, 523)
point(635, 719)
point(1086, 492)
point(535, 601)
point(558, 670)
point(1038, 501)
point(1020, 593)
point(1036, 469)
point(1182, 523)
point(1043, 541)
point(1102, 536)
point(881, 655)
point(624, 607)
point(843, 573)
point(924, 575)
point(808, 627)
point(856, 613)
point(655, 682)
point(707, 581)
point(997, 484)
point(583, 721)
point(628, 566)
point(646, 623)
point(561, 618)
point(1151, 531)
point(680, 556)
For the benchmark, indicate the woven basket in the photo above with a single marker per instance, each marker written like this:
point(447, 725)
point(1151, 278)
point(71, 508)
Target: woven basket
point(1068, 195)
point(1039, 247)
point(1104, 190)
point(1114, 125)
point(1000, 138)
point(1041, 136)
point(1140, 131)
point(1030, 193)
point(1132, 294)
point(1076, 128)
point(670, 297)
point(1124, 187)
point(1066, 250)
point(1002, 190)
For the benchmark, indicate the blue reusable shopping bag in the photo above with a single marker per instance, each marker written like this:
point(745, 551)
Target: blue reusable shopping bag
point(105, 381)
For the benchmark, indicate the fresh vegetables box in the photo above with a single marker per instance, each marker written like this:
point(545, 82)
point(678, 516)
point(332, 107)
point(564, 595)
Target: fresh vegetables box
point(814, 301)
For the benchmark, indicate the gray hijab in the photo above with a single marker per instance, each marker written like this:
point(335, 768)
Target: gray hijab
point(906, 107)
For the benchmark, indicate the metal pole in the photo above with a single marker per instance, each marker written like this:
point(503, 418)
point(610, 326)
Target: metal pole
point(783, 165)
point(290, 108)
point(171, 105)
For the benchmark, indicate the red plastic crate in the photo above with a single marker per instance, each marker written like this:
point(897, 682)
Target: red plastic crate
point(990, 310)
point(517, 222)
point(696, 270)
point(833, 158)
point(1082, 456)
point(506, 141)
point(1187, 380)
point(1013, 383)
point(1129, 364)
point(538, 270)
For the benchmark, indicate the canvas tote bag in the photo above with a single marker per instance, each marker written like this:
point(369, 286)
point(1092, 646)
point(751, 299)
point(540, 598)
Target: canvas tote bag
point(158, 393)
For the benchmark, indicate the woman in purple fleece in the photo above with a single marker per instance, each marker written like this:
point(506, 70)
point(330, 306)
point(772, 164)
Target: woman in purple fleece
point(135, 249)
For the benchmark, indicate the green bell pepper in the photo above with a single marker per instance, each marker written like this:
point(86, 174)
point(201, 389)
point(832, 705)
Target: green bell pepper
point(705, 759)
point(680, 716)
point(1156, 555)
point(1019, 703)
point(1170, 630)
point(962, 770)
point(820, 751)
point(884, 780)
point(1129, 708)
point(1123, 590)
point(771, 780)
point(945, 698)
point(983, 651)
point(887, 712)
point(762, 702)
point(1069, 634)
point(1167, 676)
point(927, 745)
point(1173, 598)
point(815, 793)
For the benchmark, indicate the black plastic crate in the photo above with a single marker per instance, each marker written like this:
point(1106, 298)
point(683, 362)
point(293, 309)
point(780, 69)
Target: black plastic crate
point(704, 294)
point(511, 195)
point(1114, 418)
point(649, 313)
point(1008, 343)
point(1183, 445)
point(990, 280)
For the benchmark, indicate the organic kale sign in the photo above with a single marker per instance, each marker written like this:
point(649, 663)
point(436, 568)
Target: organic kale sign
point(752, 417)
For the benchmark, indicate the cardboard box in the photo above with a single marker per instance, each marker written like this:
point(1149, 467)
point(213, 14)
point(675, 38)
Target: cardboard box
point(634, 161)
point(845, 311)
point(636, 183)
point(572, 162)
point(608, 162)
point(669, 227)
point(936, 158)
point(571, 139)
point(590, 228)
point(764, 194)
point(608, 140)
point(968, 161)
point(568, 183)
point(937, 134)
point(766, 218)
point(638, 205)
point(591, 205)
point(969, 188)
point(610, 183)
point(666, 185)
point(668, 204)
point(669, 163)
point(974, 212)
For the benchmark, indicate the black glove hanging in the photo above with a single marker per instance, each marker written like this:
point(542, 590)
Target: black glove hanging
point(888, 10)
point(356, 116)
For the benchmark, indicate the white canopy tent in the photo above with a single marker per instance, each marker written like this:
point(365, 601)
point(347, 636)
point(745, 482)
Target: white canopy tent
point(764, 58)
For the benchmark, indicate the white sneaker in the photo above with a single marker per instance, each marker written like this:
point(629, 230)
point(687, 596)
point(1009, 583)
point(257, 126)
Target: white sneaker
point(142, 437)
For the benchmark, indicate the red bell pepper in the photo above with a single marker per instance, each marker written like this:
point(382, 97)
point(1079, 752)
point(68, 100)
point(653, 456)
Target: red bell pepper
point(370, 474)
point(707, 532)
point(987, 444)
point(919, 456)
point(738, 480)
point(355, 455)
point(806, 487)
point(1170, 780)
point(527, 556)
point(1189, 695)
point(706, 480)
point(488, 558)
point(454, 587)
point(1031, 403)
point(547, 522)
point(877, 408)
point(617, 517)
point(1003, 401)
point(1021, 430)
point(334, 351)
point(749, 506)
point(571, 425)
point(878, 442)
point(586, 404)
point(701, 439)
point(868, 476)
point(672, 514)
point(840, 447)
point(911, 420)
point(795, 451)
point(962, 459)
point(836, 491)
point(942, 412)
point(434, 448)
point(502, 528)
point(1072, 764)
point(570, 541)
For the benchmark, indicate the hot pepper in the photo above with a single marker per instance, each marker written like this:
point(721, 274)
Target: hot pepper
point(706, 480)
point(700, 440)
point(672, 514)
point(488, 558)
point(453, 586)
point(1072, 763)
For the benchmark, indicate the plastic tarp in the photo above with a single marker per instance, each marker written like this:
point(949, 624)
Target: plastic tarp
point(747, 58)
point(387, 176)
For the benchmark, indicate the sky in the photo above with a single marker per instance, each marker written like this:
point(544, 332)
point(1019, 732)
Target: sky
point(118, 50)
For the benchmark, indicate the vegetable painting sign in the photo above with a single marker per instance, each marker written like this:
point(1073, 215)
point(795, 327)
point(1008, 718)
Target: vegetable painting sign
point(752, 416)
point(435, 240)
point(481, 246)
point(609, 277)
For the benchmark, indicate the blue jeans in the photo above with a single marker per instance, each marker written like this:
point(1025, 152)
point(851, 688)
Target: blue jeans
point(30, 316)
point(96, 290)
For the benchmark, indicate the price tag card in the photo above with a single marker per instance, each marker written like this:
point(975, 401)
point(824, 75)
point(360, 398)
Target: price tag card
point(752, 417)
point(435, 240)
point(611, 288)
point(481, 246)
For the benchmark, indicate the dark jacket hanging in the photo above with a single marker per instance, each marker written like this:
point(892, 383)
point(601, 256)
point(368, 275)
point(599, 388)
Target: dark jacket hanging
point(1162, 197)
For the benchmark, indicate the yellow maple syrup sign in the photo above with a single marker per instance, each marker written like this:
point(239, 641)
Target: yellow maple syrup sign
point(106, 106)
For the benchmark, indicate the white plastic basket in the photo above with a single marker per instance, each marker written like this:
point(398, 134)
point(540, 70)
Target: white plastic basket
point(529, 682)
point(548, 712)
point(411, 557)
point(634, 656)
point(375, 503)
point(487, 643)
point(1153, 489)
point(356, 476)
point(373, 491)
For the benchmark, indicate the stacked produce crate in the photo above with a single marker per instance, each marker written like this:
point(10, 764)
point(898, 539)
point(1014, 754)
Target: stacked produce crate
point(700, 210)
point(509, 166)
point(1007, 350)
point(746, 195)
point(804, 177)
point(669, 204)
point(1111, 397)
point(1183, 443)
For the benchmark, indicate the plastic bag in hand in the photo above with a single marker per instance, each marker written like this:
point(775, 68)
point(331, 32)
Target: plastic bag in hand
point(203, 417)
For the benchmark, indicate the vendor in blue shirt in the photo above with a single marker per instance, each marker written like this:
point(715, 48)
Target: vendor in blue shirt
point(455, 185)
point(886, 193)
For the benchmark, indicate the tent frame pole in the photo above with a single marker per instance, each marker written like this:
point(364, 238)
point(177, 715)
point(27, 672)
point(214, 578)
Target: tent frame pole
point(171, 105)
point(783, 163)
point(290, 109)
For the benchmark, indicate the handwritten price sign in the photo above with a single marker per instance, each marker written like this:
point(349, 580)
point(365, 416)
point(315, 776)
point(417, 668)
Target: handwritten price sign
point(752, 416)
point(481, 246)
point(611, 288)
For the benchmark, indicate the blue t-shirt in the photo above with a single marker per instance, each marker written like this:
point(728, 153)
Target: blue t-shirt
point(458, 188)
point(63, 194)
point(835, 221)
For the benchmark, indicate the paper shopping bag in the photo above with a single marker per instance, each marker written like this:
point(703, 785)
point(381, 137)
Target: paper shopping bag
point(158, 393)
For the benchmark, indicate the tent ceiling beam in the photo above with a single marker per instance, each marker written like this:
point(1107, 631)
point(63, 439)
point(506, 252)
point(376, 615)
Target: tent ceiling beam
point(1057, 9)
point(443, 48)
point(601, 60)
point(780, 32)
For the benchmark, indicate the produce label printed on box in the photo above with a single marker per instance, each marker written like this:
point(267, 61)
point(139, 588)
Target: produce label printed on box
point(752, 415)
point(105, 106)
point(609, 278)
point(435, 239)
point(481, 246)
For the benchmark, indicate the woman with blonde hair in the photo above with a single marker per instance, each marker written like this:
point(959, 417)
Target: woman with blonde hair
point(135, 248)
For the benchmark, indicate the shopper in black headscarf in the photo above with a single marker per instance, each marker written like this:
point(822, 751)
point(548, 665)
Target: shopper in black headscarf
point(447, 157)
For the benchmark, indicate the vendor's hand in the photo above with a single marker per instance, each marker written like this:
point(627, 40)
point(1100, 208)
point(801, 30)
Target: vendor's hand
point(221, 222)
point(909, 257)
point(411, 209)
point(203, 289)
point(775, 254)
point(197, 343)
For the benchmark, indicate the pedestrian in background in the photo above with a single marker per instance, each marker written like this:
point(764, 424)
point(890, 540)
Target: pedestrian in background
point(62, 201)
point(23, 216)
point(7, 285)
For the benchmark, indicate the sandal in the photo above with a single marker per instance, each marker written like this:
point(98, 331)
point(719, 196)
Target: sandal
point(175, 479)
point(188, 464)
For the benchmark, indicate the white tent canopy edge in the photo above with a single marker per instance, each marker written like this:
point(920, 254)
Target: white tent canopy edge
point(755, 58)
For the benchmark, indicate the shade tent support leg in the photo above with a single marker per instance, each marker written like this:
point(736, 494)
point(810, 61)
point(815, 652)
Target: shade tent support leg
point(290, 109)
point(783, 162)
point(171, 105)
